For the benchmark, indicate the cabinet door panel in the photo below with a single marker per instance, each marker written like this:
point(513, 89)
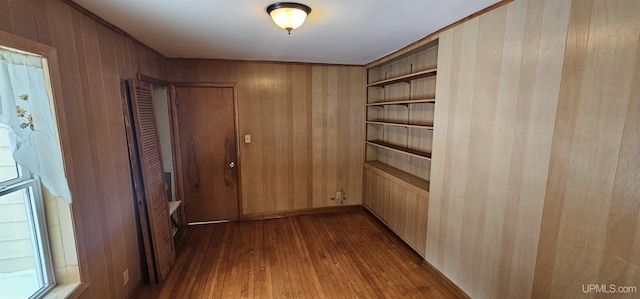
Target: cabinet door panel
point(402, 209)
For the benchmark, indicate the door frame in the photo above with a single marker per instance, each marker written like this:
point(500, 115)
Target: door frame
point(176, 138)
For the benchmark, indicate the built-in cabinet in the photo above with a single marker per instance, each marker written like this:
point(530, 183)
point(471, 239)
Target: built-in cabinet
point(400, 103)
point(401, 204)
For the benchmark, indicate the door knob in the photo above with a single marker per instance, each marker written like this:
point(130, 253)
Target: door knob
point(232, 164)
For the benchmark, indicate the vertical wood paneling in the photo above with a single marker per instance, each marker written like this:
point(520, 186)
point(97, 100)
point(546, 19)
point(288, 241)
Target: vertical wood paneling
point(499, 76)
point(92, 60)
point(101, 155)
point(305, 126)
point(300, 126)
point(5, 22)
point(318, 120)
point(24, 24)
point(621, 262)
point(268, 93)
point(497, 261)
point(440, 158)
point(142, 59)
point(42, 20)
point(489, 58)
point(66, 39)
point(626, 194)
point(460, 147)
point(590, 219)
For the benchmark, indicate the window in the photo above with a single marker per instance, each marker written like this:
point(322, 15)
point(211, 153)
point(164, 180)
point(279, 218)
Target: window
point(25, 261)
point(30, 165)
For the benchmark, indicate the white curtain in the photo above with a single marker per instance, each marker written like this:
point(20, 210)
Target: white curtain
point(25, 109)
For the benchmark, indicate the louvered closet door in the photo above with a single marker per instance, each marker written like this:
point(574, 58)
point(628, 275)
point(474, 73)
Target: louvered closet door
point(150, 158)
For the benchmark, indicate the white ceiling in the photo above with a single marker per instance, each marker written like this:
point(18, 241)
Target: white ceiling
point(336, 31)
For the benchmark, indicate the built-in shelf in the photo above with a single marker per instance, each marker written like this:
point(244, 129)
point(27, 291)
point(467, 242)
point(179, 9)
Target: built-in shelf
point(384, 123)
point(399, 124)
point(408, 180)
point(403, 102)
point(401, 149)
point(405, 78)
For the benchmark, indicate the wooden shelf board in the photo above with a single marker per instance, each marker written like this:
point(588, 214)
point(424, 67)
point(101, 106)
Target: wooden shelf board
point(384, 123)
point(409, 181)
point(401, 149)
point(403, 102)
point(405, 78)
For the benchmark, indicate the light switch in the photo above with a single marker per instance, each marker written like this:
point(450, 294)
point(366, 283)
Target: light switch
point(247, 138)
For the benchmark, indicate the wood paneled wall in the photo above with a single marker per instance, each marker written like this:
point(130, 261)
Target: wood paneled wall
point(497, 92)
point(305, 123)
point(92, 60)
point(534, 189)
point(591, 220)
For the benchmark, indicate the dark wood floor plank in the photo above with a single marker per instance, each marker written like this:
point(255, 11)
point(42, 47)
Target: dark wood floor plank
point(342, 255)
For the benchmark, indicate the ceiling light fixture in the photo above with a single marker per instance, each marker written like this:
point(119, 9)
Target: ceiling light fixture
point(288, 15)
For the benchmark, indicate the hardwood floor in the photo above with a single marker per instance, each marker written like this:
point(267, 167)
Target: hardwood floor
point(341, 255)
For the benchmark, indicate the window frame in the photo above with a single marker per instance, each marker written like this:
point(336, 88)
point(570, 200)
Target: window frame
point(36, 218)
point(75, 289)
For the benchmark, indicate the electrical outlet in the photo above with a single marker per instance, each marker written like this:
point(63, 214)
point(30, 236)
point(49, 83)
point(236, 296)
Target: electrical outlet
point(340, 196)
point(125, 276)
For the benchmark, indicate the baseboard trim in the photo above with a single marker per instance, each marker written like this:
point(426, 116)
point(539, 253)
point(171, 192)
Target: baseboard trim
point(457, 291)
point(301, 212)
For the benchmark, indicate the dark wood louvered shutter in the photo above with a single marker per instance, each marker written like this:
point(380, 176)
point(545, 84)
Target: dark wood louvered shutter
point(150, 159)
point(136, 183)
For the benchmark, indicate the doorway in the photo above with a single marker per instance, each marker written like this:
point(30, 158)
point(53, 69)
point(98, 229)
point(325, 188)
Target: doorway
point(205, 120)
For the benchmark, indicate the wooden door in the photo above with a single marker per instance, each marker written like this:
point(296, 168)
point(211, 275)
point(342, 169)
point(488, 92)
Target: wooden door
point(207, 151)
point(147, 165)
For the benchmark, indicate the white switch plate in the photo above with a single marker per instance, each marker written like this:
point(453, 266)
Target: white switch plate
point(247, 138)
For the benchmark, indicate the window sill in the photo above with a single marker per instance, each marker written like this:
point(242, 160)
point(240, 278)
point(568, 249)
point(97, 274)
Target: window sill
point(67, 290)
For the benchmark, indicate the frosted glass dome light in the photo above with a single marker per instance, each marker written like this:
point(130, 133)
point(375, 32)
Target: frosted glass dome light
point(288, 15)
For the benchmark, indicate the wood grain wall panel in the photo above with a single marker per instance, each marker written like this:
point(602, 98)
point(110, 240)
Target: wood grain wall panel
point(143, 59)
point(318, 135)
point(460, 150)
point(497, 91)
point(5, 23)
point(621, 260)
point(90, 69)
point(490, 40)
point(305, 126)
point(440, 158)
point(627, 190)
point(92, 60)
point(64, 40)
point(42, 22)
point(23, 19)
point(590, 220)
